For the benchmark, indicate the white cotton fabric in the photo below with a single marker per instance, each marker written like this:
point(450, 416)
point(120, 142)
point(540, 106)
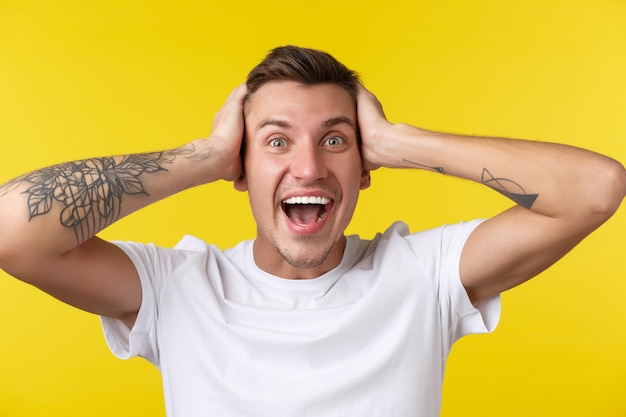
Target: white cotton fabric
point(369, 338)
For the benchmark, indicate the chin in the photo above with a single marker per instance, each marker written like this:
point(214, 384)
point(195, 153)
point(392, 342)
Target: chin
point(306, 261)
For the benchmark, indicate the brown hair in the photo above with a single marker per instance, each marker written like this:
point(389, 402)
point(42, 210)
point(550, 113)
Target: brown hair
point(304, 65)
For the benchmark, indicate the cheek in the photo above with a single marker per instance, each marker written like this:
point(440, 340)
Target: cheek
point(260, 170)
point(353, 172)
point(354, 182)
point(261, 179)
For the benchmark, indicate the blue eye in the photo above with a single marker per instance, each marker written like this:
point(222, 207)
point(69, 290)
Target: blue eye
point(278, 143)
point(334, 141)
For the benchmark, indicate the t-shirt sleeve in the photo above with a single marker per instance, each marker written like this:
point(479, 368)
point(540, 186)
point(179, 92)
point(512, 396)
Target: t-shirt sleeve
point(463, 317)
point(140, 340)
point(440, 249)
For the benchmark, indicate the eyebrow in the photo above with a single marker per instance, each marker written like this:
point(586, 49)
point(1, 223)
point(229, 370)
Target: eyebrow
point(338, 120)
point(273, 122)
point(334, 121)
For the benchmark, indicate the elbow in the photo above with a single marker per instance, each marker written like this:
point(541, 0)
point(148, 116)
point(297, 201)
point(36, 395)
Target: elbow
point(5, 262)
point(14, 252)
point(612, 190)
point(8, 256)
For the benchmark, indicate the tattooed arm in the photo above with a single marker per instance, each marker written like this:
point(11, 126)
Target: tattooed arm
point(49, 218)
point(562, 193)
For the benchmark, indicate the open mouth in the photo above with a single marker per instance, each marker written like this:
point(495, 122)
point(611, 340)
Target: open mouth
point(305, 210)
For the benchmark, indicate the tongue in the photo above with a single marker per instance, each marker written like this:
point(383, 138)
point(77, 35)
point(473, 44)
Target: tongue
point(303, 214)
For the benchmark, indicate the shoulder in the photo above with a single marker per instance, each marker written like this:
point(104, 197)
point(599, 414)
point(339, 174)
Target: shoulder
point(399, 233)
point(152, 258)
point(429, 253)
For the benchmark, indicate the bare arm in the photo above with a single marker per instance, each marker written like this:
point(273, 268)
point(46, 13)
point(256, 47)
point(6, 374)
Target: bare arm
point(562, 193)
point(49, 218)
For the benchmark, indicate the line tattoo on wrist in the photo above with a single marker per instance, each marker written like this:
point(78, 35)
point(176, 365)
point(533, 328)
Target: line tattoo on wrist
point(422, 166)
point(91, 191)
point(508, 188)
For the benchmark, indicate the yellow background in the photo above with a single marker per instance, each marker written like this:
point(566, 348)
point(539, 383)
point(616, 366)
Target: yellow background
point(80, 79)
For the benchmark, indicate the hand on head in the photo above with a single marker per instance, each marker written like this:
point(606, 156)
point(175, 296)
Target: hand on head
point(228, 130)
point(227, 133)
point(373, 125)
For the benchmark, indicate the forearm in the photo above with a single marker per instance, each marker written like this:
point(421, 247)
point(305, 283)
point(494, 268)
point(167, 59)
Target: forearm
point(552, 179)
point(54, 209)
point(562, 193)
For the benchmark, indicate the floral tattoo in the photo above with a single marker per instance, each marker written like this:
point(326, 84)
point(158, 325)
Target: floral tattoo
point(91, 191)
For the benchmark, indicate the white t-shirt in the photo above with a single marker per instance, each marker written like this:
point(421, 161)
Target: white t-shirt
point(369, 338)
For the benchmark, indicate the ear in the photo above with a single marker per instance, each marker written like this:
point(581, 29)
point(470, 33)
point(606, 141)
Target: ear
point(240, 183)
point(366, 179)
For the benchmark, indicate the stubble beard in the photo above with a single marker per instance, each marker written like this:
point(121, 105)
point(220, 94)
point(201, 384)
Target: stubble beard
point(302, 262)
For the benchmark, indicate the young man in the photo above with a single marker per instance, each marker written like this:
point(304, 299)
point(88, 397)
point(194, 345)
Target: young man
point(303, 320)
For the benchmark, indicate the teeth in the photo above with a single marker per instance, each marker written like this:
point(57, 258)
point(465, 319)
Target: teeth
point(307, 200)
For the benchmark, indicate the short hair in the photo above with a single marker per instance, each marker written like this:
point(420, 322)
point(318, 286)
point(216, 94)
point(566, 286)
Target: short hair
point(303, 65)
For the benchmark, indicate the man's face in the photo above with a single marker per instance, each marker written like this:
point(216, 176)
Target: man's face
point(303, 173)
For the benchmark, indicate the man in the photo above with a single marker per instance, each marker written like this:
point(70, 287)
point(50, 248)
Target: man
point(303, 320)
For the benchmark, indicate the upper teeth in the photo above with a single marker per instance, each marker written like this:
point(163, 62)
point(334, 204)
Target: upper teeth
point(307, 200)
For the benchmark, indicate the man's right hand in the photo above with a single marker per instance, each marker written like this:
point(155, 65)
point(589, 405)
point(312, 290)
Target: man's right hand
point(49, 218)
point(227, 134)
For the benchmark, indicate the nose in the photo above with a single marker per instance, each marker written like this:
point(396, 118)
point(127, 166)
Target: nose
point(308, 163)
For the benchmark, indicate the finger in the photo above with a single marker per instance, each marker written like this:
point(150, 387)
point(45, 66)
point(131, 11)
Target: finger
point(233, 107)
point(361, 88)
point(238, 93)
